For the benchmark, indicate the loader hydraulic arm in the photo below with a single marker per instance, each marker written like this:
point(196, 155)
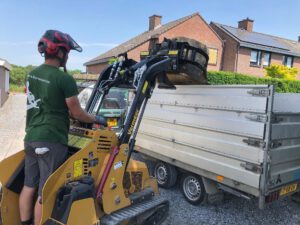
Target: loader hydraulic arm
point(170, 56)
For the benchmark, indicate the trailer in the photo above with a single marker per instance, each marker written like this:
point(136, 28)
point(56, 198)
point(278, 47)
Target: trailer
point(242, 139)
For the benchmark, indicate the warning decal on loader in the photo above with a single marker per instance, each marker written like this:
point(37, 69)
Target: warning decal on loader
point(78, 168)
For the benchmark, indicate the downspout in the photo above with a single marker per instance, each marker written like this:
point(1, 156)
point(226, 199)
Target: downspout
point(237, 57)
point(223, 55)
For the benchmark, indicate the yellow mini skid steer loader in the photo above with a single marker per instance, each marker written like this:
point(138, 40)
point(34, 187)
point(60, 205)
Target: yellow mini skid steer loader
point(100, 183)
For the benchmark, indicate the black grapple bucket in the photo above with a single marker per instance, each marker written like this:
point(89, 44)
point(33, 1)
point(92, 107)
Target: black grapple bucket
point(192, 63)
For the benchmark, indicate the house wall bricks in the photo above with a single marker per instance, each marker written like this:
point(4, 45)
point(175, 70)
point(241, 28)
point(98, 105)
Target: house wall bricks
point(194, 28)
point(96, 69)
point(243, 64)
point(237, 59)
point(135, 53)
point(297, 65)
point(230, 50)
point(276, 58)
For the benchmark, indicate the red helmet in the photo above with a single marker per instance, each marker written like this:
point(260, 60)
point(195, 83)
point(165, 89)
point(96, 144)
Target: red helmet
point(52, 40)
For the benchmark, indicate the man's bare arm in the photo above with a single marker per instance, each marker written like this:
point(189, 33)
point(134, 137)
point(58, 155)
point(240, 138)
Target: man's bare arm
point(77, 112)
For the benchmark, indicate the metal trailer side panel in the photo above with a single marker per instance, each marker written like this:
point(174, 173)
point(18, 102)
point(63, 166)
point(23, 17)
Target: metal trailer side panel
point(218, 164)
point(230, 122)
point(285, 142)
point(286, 103)
point(215, 128)
point(223, 144)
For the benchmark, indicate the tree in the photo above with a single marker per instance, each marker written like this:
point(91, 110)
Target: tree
point(18, 74)
point(281, 72)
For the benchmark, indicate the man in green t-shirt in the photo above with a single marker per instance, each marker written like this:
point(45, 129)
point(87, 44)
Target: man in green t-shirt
point(51, 98)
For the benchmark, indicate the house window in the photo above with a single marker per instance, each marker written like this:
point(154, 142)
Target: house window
point(213, 56)
point(255, 58)
point(266, 59)
point(288, 61)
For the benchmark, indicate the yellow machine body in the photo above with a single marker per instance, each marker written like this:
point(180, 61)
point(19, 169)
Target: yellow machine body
point(90, 161)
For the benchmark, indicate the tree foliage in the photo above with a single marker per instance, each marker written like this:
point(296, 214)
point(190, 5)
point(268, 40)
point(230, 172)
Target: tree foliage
point(18, 74)
point(281, 72)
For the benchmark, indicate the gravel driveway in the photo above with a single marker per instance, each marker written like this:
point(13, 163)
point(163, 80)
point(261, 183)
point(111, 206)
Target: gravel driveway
point(233, 210)
point(12, 124)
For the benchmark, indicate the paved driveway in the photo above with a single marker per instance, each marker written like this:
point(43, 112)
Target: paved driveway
point(12, 125)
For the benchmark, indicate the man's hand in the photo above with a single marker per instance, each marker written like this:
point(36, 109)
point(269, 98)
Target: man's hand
point(77, 112)
point(101, 120)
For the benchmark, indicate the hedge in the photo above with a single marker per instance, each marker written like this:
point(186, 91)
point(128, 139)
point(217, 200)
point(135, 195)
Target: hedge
point(222, 78)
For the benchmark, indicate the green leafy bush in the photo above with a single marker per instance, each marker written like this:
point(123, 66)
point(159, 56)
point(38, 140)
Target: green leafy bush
point(18, 74)
point(281, 72)
point(226, 78)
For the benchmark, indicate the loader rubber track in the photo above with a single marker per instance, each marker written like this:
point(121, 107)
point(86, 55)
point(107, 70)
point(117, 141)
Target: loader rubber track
point(151, 212)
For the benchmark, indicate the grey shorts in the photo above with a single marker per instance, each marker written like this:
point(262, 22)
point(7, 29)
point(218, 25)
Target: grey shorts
point(38, 167)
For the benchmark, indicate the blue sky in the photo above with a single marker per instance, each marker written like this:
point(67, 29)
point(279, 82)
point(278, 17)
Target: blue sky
point(99, 25)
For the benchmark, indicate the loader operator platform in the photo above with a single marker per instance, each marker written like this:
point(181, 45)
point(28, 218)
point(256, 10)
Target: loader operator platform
point(51, 99)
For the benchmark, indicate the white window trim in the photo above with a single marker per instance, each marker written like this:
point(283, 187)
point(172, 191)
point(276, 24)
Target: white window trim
point(256, 63)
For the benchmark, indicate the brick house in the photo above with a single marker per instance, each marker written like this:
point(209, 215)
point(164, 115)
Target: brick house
point(248, 52)
point(5, 67)
point(192, 26)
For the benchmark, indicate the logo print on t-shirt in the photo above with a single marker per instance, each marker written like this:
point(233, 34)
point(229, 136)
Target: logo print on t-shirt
point(31, 102)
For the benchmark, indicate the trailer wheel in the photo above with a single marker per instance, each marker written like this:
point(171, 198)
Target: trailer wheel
point(192, 188)
point(165, 174)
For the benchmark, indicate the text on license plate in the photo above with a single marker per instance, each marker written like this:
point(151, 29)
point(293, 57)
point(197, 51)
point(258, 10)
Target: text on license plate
point(112, 122)
point(288, 189)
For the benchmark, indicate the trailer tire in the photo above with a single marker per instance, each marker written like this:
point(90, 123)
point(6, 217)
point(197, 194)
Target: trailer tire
point(192, 188)
point(165, 174)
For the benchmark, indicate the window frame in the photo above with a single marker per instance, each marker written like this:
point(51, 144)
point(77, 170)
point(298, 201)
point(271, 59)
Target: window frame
point(213, 64)
point(258, 58)
point(269, 62)
point(284, 60)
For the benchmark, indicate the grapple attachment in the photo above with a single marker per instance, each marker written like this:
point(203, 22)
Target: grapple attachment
point(192, 60)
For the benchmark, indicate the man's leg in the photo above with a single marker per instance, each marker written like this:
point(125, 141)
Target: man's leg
point(26, 200)
point(48, 162)
point(38, 211)
point(26, 204)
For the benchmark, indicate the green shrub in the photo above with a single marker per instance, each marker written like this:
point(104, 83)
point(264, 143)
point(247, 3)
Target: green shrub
point(16, 88)
point(224, 78)
point(281, 72)
point(18, 74)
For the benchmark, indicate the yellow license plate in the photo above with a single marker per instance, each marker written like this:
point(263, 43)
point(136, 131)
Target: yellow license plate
point(288, 189)
point(112, 122)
